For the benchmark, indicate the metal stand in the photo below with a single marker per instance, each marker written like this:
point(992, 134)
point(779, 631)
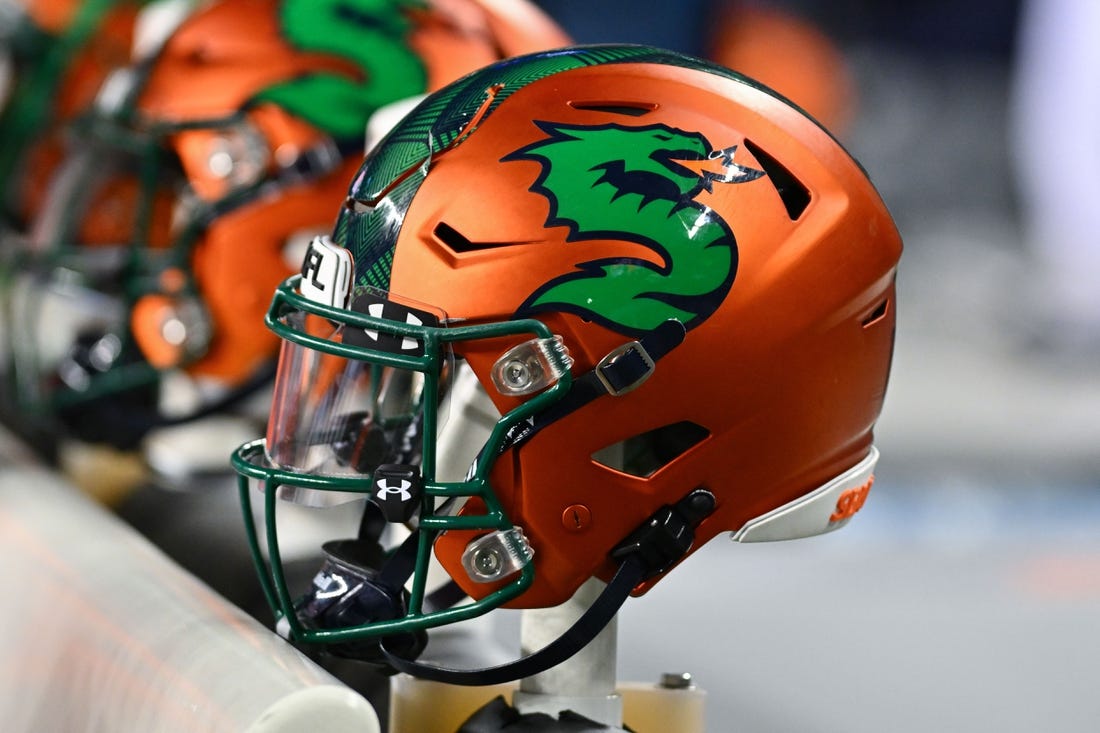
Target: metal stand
point(584, 683)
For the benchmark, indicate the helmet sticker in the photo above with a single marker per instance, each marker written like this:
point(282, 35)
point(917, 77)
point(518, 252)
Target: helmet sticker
point(326, 273)
point(636, 184)
point(445, 116)
point(371, 35)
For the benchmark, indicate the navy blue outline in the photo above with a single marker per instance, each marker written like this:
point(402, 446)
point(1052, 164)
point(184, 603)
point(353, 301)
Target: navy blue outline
point(594, 269)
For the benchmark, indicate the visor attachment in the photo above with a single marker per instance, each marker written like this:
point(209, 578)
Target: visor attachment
point(338, 416)
point(531, 366)
point(497, 555)
point(350, 400)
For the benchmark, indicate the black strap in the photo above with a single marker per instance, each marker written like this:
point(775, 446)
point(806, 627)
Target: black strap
point(592, 622)
point(620, 371)
point(654, 546)
point(399, 566)
point(624, 367)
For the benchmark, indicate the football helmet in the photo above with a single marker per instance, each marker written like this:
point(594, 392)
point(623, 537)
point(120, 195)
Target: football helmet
point(57, 55)
point(195, 182)
point(673, 287)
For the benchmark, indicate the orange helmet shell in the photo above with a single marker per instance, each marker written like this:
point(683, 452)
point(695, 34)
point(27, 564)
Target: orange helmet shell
point(96, 51)
point(787, 371)
point(210, 70)
point(221, 152)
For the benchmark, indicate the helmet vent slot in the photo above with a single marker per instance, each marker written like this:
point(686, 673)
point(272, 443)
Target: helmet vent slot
point(877, 314)
point(631, 109)
point(644, 454)
point(457, 242)
point(795, 196)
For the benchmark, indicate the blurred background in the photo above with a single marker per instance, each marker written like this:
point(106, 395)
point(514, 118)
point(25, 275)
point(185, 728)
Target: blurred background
point(965, 594)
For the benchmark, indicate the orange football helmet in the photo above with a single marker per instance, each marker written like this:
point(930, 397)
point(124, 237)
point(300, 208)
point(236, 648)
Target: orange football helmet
point(195, 183)
point(59, 53)
point(676, 289)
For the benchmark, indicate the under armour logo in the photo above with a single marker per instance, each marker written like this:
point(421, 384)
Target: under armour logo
point(407, 344)
point(399, 487)
point(392, 313)
point(386, 490)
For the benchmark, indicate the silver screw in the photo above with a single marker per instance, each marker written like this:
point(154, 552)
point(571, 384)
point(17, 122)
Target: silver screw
point(487, 562)
point(517, 374)
point(676, 681)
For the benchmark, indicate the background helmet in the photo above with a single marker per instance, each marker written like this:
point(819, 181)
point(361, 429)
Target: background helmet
point(193, 185)
point(56, 53)
point(675, 288)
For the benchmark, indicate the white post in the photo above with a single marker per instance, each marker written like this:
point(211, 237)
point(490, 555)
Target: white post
point(586, 682)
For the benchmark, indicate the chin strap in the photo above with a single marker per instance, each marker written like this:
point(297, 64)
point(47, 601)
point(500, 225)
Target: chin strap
point(655, 546)
point(658, 544)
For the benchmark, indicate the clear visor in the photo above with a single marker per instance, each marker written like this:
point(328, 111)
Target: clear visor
point(339, 417)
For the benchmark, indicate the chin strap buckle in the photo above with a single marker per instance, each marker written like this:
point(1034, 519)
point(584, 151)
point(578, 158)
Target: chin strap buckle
point(663, 540)
point(625, 368)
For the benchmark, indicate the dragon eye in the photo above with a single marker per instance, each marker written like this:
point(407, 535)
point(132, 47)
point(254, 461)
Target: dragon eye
point(876, 315)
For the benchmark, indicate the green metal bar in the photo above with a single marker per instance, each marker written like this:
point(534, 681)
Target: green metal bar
point(286, 603)
point(254, 543)
point(492, 520)
point(420, 577)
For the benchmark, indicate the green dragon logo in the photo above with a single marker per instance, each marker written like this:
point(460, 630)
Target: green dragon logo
point(636, 184)
point(371, 34)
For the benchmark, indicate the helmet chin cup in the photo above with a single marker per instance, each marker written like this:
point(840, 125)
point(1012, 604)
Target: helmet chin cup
point(124, 413)
point(348, 591)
